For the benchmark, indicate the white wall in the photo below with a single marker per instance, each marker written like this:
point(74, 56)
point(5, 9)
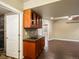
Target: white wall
point(46, 30)
point(65, 31)
point(18, 4)
point(50, 28)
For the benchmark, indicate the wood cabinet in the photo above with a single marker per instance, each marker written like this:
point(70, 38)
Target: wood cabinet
point(31, 19)
point(32, 49)
point(39, 22)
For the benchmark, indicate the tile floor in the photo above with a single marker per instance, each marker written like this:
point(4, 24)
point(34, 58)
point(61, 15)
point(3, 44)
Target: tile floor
point(2, 56)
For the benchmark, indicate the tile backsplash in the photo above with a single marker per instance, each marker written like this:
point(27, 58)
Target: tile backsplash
point(30, 33)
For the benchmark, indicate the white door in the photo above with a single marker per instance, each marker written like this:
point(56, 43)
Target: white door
point(12, 31)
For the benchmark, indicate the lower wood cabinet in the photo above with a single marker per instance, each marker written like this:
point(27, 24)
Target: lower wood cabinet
point(33, 48)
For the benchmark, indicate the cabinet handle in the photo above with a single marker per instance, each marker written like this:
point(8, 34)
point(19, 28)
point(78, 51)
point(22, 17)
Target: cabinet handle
point(32, 22)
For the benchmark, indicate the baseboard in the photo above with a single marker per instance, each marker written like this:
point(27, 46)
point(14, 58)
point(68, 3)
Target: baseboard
point(50, 39)
point(64, 39)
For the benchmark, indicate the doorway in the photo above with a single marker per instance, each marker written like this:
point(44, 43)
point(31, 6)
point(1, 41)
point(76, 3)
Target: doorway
point(3, 38)
point(1, 33)
point(10, 41)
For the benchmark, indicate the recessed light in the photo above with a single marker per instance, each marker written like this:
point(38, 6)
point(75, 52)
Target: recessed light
point(63, 17)
point(70, 18)
point(51, 18)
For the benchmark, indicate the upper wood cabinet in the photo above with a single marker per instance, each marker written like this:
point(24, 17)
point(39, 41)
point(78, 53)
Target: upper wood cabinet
point(31, 19)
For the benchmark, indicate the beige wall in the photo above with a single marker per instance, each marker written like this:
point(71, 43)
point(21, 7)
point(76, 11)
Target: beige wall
point(63, 30)
point(50, 28)
point(18, 4)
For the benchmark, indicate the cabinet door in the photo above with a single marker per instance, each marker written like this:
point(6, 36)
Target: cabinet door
point(29, 50)
point(27, 19)
point(33, 21)
point(39, 22)
point(37, 49)
point(42, 43)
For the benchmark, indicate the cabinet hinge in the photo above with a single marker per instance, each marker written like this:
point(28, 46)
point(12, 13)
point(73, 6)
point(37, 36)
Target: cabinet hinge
point(18, 34)
point(18, 50)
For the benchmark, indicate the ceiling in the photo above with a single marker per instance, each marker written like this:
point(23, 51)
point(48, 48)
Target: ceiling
point(3, 10)
point(58, 9)
point(26, 0)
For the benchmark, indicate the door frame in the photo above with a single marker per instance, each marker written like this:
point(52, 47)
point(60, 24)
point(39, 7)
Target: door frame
point(16, 11)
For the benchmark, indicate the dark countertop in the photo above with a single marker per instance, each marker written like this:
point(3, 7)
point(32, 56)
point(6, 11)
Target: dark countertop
point(31, 39)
